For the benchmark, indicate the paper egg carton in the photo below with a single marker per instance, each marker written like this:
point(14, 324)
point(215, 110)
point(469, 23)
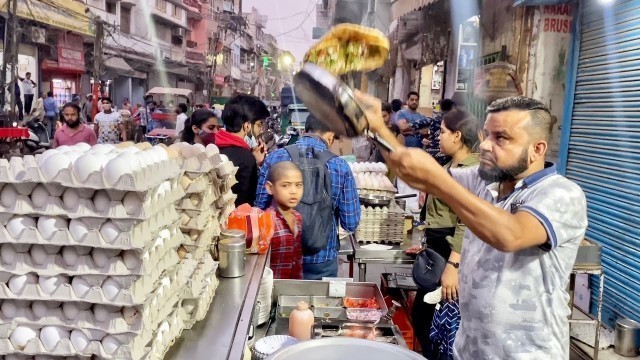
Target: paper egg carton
point(196, 219)
point(202, 163)
point(225, 199)
point(376, 167)
point(53, 264)
point(195, 182)
point(199, 307)
point(165, 339)
point(206, 268)
point(204, 200)
point(366, 191)
point(132, 234)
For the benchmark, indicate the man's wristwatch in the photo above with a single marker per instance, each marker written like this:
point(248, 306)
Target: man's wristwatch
point(454, 264)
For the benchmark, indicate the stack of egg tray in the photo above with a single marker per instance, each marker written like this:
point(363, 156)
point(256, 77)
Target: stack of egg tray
point(381, 225)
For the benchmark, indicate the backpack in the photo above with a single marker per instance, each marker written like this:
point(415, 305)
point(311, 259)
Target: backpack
point(316, 205)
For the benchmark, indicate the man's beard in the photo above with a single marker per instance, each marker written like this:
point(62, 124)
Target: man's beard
point(73, 125)
point(496, 174)
point(413, 107)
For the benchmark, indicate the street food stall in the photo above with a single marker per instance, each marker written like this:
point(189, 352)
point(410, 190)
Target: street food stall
point(163, 129)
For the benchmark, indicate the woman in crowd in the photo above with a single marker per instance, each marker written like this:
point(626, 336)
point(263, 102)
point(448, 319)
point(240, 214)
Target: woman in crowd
point(201, 128)
point(444, 231)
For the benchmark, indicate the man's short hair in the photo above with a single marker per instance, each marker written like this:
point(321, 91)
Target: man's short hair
point(50, 93)
point(71, 105)
point(540, 119)
point(243, 108)
point(277, 170)
point(107, 99)
point(27, 74)
point(396, 105)
point(386, 107)
point(183, 107)
point(315, 126)
point(411, 93)
point(446, 105)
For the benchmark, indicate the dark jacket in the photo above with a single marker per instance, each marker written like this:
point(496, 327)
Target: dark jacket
point(240, 155)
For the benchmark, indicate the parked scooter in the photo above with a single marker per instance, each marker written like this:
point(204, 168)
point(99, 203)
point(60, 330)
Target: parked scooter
point(38, 140)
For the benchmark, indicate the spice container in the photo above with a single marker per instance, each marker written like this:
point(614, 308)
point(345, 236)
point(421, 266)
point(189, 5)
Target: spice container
point(231, 250)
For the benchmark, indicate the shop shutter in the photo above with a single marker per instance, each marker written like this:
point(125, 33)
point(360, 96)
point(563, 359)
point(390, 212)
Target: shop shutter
point(603, 152)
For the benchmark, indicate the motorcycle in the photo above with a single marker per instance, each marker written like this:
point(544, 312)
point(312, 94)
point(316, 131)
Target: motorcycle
point(38, 140)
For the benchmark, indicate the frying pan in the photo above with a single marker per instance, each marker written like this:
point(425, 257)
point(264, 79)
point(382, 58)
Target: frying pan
point(333, 102)
point(381, 200)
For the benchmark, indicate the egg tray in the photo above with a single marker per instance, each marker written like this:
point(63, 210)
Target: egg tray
point(198, 182)
point(202, 163)
point(387, 193)
point(203, 244)
point(25, 169)
point(202, 303)
point(129, 348)
point(225, 199)
point(198, 220)
point(54, 264)
point(205, 200)
point(133, 234)
point(206, 268)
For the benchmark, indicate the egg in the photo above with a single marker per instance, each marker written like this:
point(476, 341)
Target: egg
point(52, 249)
point(110, 344)
point(72, 156)
point(70, 310)
point(40, 309)
point(131, 315)
point(52, 335)
point(182, 252)
point(8, 195)
point(53, 165)
point(71, 198)
point(110, 288)
point(64, 148)
point(184, 219)
point(185, 182)
point(49, 225)
point(101, 148)
point(38, 254)
point(115, 169)
point(131, 259)
point(39, 196)
point(193, 234)
point(21, 335)
point(132, 202)
point(102, 257)
point(17, 283)
point(195, 199)
point(8, 254)
point(79, 340)
point(109, 232)
point(78, 229)
point(49, 284)
point(82, 147)
point(101, 312)
point(212, 149)
point(143, 145)
point(81, 287)
point(189, 305)
point(101, 200)
point(70, 255)
point(18, 223)
point(9, 309)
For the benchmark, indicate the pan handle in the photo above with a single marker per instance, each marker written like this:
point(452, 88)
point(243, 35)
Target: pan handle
point(381, 142)
point(406, 196)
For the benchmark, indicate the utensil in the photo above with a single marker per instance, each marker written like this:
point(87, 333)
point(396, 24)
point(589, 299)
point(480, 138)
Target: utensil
point(344, 348)
point(333, 102)
point(381, 200)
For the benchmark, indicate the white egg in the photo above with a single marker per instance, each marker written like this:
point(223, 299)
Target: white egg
point(17, 283)
point(8, 254)
point(131, 315)
point(49, 225)
point(131, 259)
point(8, 195)
point(184, 219)
point(40, 309)
point(9, 308)
point(4, 277)
point(78, 229)
point(83, 250)
point(115, 169)
point(110, 288)
point(72, 156)
point(101, 312)
point(211, 150)
point(132, 202)
point(21, 335)
point(110, 344)
point(101, 200)
point(100, 257)
point(53, 165)
point(52, 249)
point(82, 147)
point(79, 340)
point(81, 287)
point(109, 232)
point(64, 148)
point(45, 155)
point(70, 310)
point(39, 196)
point(38, 254)
point(52, 335)
point(71, 198)
point(161, 153)
point(70, 255)
point(49, 284)
point(18, 223)
point(189, 305)
point(84, 166)
point(102, 148)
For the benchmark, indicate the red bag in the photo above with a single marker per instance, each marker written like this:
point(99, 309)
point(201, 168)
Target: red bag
point(256, 224)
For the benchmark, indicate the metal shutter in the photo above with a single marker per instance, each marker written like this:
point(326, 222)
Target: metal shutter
point(603, 148)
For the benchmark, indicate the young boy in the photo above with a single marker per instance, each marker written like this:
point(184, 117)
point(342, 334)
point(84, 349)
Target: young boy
point(285, 185)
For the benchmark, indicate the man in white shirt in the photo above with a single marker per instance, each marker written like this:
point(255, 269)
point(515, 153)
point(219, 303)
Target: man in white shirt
point(29, 90)
point(109, 124)
point(182, 117)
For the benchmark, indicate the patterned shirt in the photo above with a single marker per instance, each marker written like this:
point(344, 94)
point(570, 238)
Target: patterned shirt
point(445, 325)
point(433, 148)
point(411, 116)
point(109, 127)
point(286, 247)
point(515, 305)
point(343, 193)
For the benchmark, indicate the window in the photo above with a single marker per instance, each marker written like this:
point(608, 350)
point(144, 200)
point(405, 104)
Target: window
point(177, 12)
point(161, 5)
point(111, 8)
point(125, 20)
point(163, 32)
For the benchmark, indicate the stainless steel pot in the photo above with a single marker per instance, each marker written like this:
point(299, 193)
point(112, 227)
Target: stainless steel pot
point(344, 348)
point(231, 250)
point(627, 338)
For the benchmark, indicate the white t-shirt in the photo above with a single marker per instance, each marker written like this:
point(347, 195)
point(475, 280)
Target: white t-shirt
point(28, 87)
point(180, 120)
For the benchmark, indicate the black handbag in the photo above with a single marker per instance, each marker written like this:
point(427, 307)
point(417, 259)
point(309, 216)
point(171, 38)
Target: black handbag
point(428, 269)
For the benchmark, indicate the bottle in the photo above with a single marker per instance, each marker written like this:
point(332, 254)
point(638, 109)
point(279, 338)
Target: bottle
point(301, 322)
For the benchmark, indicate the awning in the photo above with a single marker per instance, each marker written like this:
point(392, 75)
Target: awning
point(170, 91)
point(118, 63)
point(403, 7)
point(54, 66)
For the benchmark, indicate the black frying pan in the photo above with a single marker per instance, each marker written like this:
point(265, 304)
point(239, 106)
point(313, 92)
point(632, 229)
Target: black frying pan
point(333, 102)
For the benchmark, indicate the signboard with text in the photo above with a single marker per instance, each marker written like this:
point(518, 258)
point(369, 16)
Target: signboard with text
point(64, 14)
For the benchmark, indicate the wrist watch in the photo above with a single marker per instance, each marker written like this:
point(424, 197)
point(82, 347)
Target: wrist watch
point(454, 264)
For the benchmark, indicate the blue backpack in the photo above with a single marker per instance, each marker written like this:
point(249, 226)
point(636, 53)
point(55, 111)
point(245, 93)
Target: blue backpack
point(316, 206)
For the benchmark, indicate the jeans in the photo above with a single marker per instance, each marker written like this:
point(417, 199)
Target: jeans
point(50, 125)
point(28, 101)
point(320, 270)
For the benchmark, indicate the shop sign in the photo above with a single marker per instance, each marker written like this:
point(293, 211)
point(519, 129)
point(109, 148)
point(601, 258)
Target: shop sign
point(218, 79)
point(70, 52)
point(63, 14)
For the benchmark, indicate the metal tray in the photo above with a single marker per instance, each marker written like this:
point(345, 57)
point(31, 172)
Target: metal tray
point(344, 348)
point(589, 255)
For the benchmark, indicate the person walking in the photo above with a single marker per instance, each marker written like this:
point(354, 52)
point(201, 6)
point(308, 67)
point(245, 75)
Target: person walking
point(50, 113)
point(74, 131)
point(109, 125)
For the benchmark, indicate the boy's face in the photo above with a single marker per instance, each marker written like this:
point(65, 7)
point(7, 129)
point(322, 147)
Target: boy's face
point(287, 191)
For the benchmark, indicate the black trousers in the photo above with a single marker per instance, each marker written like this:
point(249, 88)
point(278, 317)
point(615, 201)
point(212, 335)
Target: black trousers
point(28, 101)
point(422, 313)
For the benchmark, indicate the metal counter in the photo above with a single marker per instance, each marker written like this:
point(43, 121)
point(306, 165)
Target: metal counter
point(223, 333)
point(396, 255)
